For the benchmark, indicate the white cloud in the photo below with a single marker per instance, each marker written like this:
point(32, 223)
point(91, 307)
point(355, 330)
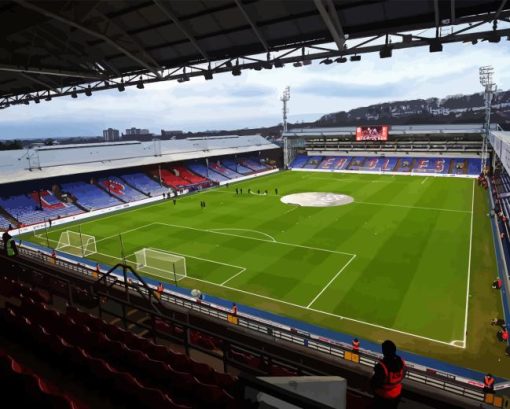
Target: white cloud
point(252, 99)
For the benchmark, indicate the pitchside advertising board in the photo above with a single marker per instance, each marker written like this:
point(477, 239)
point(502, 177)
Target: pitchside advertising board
point(372, 133)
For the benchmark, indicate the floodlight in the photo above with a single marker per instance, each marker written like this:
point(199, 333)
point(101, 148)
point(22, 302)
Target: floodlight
point(385, 52)
point(356, 58)
point(88, 91)
point(435, 46)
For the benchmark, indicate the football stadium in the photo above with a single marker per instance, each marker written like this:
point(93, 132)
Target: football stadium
point(339, 266)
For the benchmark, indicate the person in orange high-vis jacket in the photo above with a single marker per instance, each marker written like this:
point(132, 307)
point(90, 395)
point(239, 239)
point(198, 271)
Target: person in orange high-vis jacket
point(355, 345)
point(387, 379)
point(488, 383)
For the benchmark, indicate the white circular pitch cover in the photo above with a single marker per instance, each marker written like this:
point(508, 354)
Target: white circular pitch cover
point(317, 199)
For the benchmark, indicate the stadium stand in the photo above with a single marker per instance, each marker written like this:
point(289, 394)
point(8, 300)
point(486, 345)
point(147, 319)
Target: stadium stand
point(233, 165)
point(186, 174)
point(26, 208)
point(219, 168)
point(205, 172)
point(144, 183)
point(4, 223)
point(459, 166)
point(89, 196)
point(120, 189)
point(170, 179)
point(312, 162)
point(253, 164)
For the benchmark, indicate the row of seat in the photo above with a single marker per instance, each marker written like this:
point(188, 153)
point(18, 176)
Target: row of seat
point(27, 389)
point(180, 362)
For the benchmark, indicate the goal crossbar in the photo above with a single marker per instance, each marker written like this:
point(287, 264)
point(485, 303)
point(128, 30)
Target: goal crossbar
point(161, 263)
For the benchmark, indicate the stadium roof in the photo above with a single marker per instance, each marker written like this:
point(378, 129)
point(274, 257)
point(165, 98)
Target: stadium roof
point(57, 48)
point(62, 160)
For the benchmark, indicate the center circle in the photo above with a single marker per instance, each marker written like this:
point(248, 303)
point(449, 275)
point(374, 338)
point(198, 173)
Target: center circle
point(317, 199)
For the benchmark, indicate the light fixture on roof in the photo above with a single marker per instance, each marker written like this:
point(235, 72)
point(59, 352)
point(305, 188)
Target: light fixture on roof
point(88, 91)
point(385, 52)
point(184, 78)
point(48, 98)
point(435, 46)
point(26, 102)
point(121, 86)
point(37, 100)
point(278, 64)
point(74, 94)
point(297, 64)
point(236, 71)
point(355, 57)
point(327, 61)
point(341, 60)
point(208, 75)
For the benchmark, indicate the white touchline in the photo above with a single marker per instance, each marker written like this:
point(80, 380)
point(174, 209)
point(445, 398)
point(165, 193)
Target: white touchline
point(331, 281)
point(327, 313)
point(413, 207)
point(469, 265)
point(254, 238)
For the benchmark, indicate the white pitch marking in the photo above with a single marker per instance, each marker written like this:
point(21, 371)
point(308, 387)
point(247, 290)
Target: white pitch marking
point(424, 180)
point(328, 313)
point(469, 265)
point(127, 231)
point(253, 231)
point(254, 238)
point(291, 210)
point(331, 281)
point(414, 207)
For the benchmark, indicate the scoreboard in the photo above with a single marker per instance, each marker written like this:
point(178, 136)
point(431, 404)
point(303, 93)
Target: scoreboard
point(372, 133)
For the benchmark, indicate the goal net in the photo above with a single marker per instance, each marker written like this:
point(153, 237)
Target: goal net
point(418, 171)
point(78, 244)
point(161, 263)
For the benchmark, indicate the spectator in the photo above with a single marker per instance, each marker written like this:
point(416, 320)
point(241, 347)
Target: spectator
point(498, 321)
point(355, 345)
point(234, 309)
point(387, 379)
point(10, 247)
point(160, 288)
point(488, 384)
point(503, 334)
point(497, 284)
point(5, 238)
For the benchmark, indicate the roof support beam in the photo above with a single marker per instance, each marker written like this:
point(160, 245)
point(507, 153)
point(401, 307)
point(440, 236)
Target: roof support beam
point(452, 12)
point(49, 71)
point(175, 20)
point(330, 17)
point(253, 26)
point(436, 16)
point(92, 33)
point(40, 82)
point(501, 7)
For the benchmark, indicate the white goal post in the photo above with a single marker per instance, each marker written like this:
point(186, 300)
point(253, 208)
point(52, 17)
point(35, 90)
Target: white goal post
point(78, 244)
point(160, 263)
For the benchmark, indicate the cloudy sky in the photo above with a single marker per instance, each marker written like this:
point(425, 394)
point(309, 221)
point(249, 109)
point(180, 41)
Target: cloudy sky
point(252, 99)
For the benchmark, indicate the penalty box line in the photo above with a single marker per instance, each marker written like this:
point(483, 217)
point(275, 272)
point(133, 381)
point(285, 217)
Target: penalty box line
point(254, 238)
point(450, 344)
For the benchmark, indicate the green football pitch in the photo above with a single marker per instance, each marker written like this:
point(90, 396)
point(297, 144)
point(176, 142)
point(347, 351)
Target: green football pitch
point(395, 263)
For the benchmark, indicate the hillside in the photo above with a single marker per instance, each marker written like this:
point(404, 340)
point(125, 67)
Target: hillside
point(452, 109)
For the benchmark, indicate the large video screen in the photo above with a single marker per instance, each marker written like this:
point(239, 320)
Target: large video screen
point(372, 133)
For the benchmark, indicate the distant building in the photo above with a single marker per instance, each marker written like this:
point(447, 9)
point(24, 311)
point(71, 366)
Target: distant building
point(137, 131)
point(111, 135)
point(172, 134)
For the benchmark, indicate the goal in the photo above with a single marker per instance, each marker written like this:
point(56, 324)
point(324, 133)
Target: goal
point(369, 169)
point(161, 263)
point(77, 243)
